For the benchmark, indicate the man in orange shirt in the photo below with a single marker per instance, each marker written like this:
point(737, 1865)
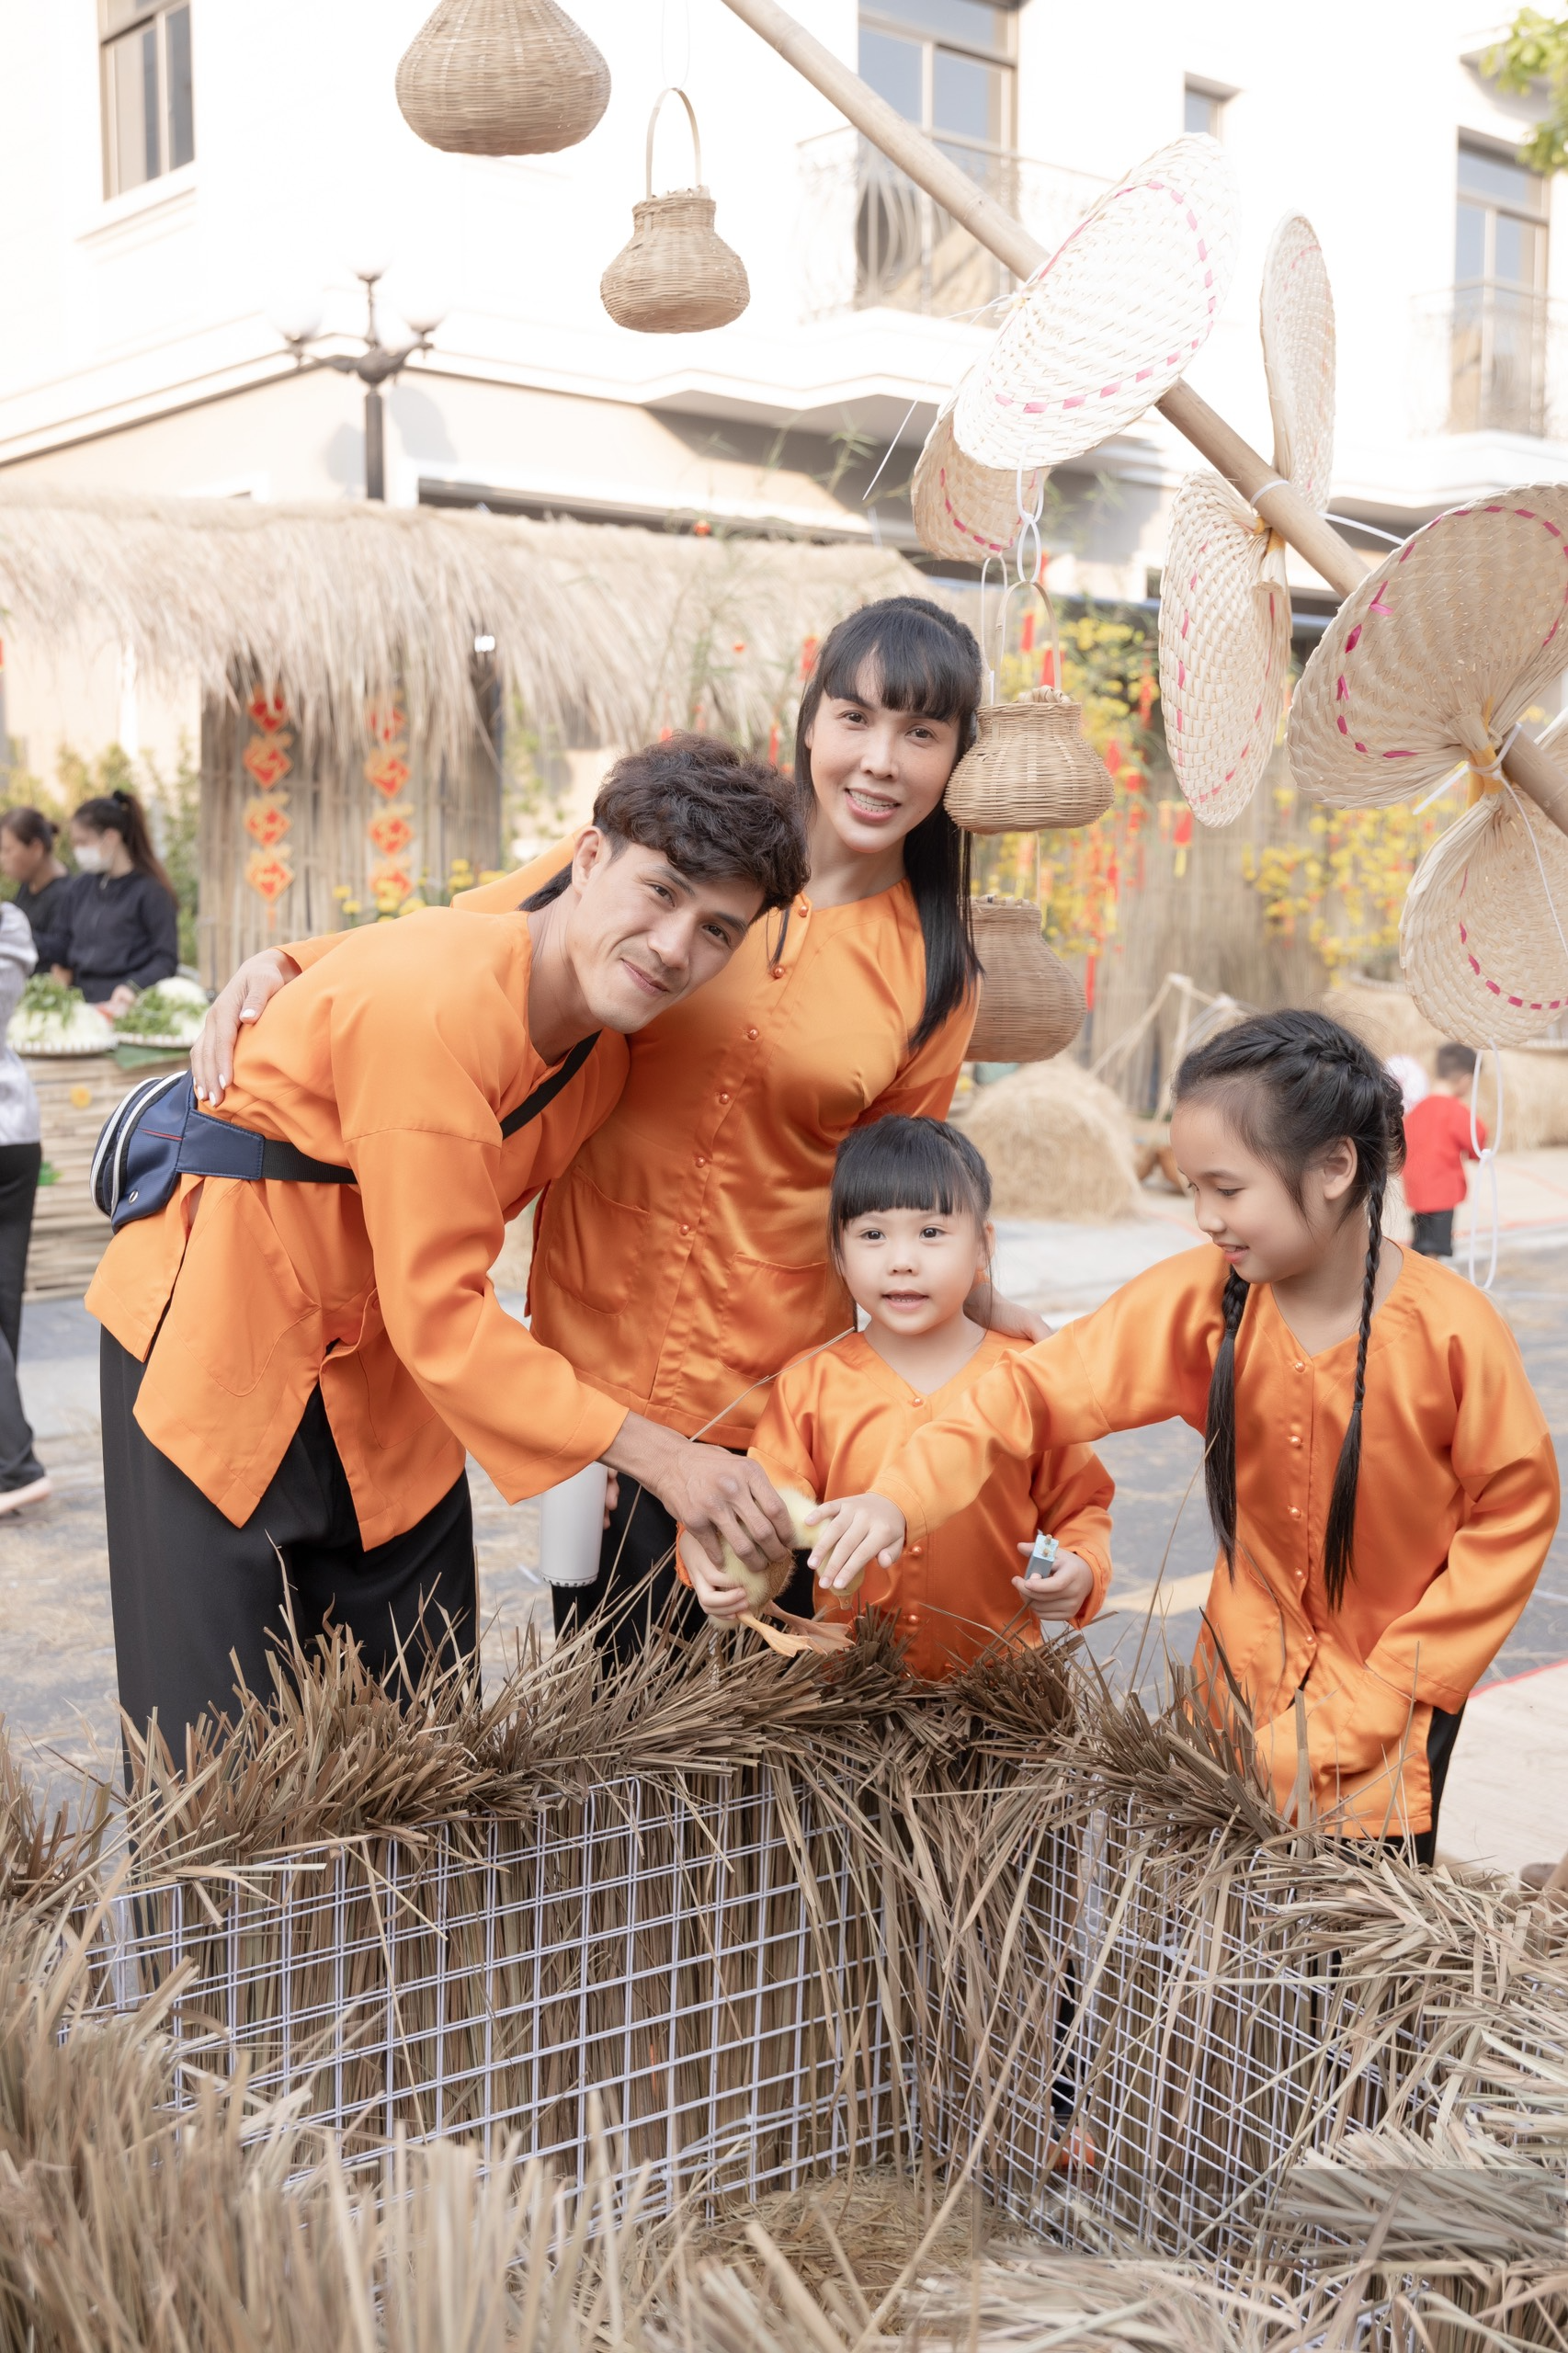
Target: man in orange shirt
point(293, 1362)
point(1438, 1143)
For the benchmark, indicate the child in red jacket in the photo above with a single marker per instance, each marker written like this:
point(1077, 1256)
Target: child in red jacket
point(1438, 1143)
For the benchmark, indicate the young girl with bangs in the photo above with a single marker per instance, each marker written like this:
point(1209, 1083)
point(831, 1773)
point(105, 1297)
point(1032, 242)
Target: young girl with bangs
point(910, 1231)
point(1379, 1473)
point(683, 1257)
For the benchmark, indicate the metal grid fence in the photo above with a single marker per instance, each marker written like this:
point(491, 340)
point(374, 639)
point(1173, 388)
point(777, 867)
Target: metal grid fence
point(705, 1962)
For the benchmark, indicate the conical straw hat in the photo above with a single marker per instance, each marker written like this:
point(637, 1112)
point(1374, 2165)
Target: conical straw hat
point(1224, 646)
point(1483, 942)
point(962, 509)
point(1296, 313)
point(1437, 653)
point(1112, 319)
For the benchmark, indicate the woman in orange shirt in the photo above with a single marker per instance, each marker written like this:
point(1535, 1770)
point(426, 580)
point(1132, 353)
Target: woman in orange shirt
point(683, 1257)
point(910, 1230)
point(1380, 1477)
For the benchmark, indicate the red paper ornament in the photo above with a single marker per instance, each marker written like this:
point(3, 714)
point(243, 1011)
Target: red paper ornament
point(269, 877)
point(387, 772)
point(265, 821)
point(268, 709)
point(390, 833)
point(266, 762)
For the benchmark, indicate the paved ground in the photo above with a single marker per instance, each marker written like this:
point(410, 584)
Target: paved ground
point(1508, 1793)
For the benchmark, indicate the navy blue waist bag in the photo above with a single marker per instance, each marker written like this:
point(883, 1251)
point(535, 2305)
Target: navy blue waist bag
point(157, 1134)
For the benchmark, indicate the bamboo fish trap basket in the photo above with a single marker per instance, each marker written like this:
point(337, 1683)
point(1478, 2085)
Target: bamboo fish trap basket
point(502, 77)
point(1030, 1006)
point(676, 276)
point(1427, 670)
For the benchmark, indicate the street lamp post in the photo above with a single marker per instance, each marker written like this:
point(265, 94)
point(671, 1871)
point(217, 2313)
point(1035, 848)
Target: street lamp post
point(377, 364)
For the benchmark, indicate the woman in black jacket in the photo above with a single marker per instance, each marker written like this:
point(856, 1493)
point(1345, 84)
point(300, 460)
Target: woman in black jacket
point(43, 885)
point(124, 918)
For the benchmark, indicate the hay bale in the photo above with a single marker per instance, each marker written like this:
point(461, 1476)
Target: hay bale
point(1535, 1078)
point(1058, 1144)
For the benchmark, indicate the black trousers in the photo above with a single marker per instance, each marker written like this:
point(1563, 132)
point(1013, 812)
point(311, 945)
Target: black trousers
point(20, 1164)
point(188, 1587)
point(1432, 1232)
point(1441, 1734)
point(637, 1587)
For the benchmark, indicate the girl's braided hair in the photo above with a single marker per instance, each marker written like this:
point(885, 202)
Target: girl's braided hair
point(1293, 1085)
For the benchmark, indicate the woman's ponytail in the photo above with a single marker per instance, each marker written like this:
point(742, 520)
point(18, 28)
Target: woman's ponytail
point(120, 813)
point(1220, 1427)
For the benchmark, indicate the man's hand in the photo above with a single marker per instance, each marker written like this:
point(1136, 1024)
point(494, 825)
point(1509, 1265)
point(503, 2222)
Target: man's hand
point(1005, 1316)
point(718, 1595)
point(121, 1001)
point(1058, 1597)
point(245, 1000)
point(720, 1499)
point(851, 1534)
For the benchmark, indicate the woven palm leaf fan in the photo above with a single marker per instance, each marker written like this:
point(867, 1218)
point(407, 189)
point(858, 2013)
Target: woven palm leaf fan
point(1296, 313)
point(502, 77)
point(1224, 646)
point(1107, 326)
point(962, 509)
point(1429, 666)
point(1225, 606)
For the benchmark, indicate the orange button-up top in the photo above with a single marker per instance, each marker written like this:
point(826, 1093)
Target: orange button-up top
point(397, 1054)
point(684, 1257)
point(834, 1420)
point(1456, 1507)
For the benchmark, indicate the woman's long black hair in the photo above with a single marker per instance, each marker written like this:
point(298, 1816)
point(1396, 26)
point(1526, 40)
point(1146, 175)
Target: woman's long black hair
point(120, 813)
point(1293, 1085)
point(925, 660)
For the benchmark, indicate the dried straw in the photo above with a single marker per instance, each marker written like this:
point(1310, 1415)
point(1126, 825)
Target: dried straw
point(599, 629)
point(1058, 1144)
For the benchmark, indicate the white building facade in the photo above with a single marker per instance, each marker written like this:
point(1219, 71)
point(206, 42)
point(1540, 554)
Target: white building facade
point(181, 177)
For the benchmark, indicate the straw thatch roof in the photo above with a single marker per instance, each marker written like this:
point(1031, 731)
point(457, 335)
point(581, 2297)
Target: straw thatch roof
point(605, 633)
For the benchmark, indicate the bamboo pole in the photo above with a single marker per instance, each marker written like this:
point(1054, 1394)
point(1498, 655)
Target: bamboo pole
point(1280, 503)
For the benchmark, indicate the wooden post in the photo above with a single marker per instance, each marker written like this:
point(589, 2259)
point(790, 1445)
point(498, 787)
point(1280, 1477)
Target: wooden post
point(1280, 503)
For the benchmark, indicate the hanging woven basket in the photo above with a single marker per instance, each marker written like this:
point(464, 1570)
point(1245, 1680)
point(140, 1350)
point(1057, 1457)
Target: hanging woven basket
point(502, 77)
point(1030, 768)
point(963, 510)
point(1030, 1006)
point(676, 276)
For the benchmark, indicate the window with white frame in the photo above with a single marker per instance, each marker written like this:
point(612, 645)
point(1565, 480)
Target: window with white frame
point(148, 113)
point(1500, 315)
point(1203, 108)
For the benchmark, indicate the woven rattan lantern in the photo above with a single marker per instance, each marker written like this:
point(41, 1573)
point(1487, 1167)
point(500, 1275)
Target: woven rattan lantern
point(1427, 669)
point(676, 275)
point(1030, 768)
point(1030, 1006)
point(502, 77)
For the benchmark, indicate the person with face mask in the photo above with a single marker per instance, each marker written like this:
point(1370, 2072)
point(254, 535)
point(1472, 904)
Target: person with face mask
point(122, 933)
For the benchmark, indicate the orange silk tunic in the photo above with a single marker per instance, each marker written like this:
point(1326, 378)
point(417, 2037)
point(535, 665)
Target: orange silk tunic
point(397, 1055)
point(684, 1256)
point(1456, 1507)
point(834, 1420)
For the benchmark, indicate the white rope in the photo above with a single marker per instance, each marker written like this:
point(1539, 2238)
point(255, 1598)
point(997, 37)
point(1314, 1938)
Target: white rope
point(1486, 1159)
point(1494, 767)
point(887, 453)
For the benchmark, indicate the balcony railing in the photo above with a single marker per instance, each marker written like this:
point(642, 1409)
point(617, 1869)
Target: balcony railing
point(1499, 360)
point(870, 238)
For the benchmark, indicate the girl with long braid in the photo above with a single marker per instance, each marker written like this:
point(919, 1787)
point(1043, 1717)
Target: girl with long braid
point(1379, 1474)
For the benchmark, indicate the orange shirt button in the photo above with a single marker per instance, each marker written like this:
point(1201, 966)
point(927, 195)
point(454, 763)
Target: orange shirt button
point(779, 976)
point(1295, 1440)
point(915, 1551)
point(751, 1033)
point(1295, 1513)
point(685, 1229)
point(702, 1162)
point(723, 1099)
point(1298, 1366)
